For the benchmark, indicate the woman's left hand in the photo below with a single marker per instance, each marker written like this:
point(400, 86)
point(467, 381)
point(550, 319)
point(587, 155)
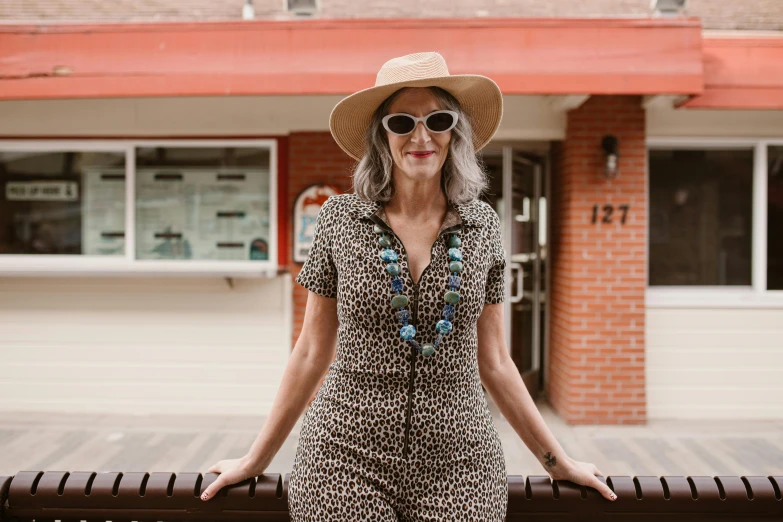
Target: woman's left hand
point(584, 474)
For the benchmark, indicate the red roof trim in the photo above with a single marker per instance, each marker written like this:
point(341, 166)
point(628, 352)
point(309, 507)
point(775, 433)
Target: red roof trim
point(351, 23)
point(741, 73)
point(524, 56)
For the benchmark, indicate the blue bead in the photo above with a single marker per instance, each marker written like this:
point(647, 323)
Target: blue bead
point(455, 254)
point(444, 326)
point(389, 255)
point(408, 332)
point(437, 340)
point(454, 281)
point(397, 284)
point(403, 315)
point(393, 268)
point(448, 311)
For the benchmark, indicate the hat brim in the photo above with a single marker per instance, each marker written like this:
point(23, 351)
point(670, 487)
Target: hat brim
point(479, 97)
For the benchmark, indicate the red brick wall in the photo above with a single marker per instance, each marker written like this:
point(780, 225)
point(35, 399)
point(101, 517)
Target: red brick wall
point(313, 157)
point(599, 272)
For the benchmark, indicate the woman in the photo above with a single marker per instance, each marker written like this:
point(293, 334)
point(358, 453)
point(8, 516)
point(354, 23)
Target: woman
point(406, 277)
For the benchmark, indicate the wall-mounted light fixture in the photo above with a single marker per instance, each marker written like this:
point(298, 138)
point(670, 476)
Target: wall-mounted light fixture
point(609, 144)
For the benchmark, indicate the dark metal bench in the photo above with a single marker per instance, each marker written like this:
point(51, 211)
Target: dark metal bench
point(71, 497)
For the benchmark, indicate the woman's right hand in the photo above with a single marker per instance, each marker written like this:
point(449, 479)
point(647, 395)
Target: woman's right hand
point(231, 471)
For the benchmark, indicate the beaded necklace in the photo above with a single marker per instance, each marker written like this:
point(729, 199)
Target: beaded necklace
point(400, 301)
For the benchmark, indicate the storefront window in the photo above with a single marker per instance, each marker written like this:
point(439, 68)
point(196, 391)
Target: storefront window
point(205, 203)
point(700, 217)
point(62, 203)
point(775, 218)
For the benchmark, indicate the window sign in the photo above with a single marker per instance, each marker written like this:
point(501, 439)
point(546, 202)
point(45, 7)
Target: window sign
point(103, 229)
point(203, 204)
point(41, 191)
point(202, 214)
point(306, 208)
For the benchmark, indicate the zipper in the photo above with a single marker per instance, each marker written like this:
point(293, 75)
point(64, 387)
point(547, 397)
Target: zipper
point(414, 352)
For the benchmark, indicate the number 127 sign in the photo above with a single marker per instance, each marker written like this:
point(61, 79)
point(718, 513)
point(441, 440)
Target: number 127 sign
point(606, 212)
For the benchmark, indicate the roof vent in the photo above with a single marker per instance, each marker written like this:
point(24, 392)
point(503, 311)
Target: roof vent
point(302, 7)
point(667, 7)
point(248, 13)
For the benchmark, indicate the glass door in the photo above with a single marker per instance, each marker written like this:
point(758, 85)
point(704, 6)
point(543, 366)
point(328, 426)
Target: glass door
point(517, 195)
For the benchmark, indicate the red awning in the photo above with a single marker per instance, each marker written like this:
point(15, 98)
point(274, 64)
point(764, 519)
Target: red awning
point(524, 56)
point(741, 73)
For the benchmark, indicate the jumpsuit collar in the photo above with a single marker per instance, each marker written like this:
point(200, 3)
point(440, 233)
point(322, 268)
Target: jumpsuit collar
point(457, 216)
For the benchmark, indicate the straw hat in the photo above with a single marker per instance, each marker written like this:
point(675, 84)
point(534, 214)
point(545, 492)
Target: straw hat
point(479, 97)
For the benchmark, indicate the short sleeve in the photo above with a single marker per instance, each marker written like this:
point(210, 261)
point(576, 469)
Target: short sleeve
point(318, 273)
point(496, 275)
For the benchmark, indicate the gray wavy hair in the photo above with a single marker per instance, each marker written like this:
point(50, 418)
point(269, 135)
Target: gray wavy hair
point(463, 177)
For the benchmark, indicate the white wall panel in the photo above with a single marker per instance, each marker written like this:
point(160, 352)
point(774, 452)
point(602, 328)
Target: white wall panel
point(524, 117)
point(143, 345)
point(714, 363)
point(714, 123)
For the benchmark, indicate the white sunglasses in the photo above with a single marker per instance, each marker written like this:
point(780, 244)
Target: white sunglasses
point(403, 124)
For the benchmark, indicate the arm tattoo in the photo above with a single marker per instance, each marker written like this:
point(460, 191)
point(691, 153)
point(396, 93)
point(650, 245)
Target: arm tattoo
point(551, 461)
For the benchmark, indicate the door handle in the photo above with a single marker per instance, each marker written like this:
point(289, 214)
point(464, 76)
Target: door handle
point(517, 297)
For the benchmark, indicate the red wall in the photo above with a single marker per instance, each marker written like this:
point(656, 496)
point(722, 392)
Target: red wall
point(599, 271)
point(313, 157)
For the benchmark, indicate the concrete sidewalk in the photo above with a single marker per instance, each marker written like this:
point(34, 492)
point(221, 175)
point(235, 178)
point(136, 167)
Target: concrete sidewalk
point(84, 442)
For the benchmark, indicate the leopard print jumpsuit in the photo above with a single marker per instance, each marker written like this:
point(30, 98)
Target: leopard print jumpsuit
point(392, 434)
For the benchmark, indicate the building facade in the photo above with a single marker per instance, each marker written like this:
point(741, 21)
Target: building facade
point(151, 212)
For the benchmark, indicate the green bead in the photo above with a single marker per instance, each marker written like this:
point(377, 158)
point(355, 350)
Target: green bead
point(455, 241)
point(398, 301)
point(427, 349)
point(455, 266)
point(384, 241)
point(451, 297)
point(377, 229)
point(393, 268)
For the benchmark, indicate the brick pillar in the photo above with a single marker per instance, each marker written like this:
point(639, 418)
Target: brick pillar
point(599, 271)
point(313, 157)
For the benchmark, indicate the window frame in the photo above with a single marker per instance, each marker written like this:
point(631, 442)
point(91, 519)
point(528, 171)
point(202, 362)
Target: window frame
point(84, 265)
point(755, 295)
